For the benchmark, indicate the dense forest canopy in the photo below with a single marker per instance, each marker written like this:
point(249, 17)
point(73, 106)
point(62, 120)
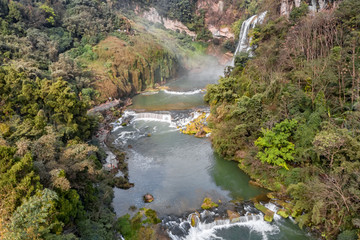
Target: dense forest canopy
point(290, 114)
point(52, 185)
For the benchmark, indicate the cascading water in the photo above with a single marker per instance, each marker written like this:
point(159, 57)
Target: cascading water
point(209, 224)
point(244, 40)
point(322, 5)
point(153, 117)
point(313, 7)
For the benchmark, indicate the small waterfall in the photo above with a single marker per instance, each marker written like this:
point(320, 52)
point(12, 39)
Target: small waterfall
point(153, 117)
point(274, 208)
point(322, 5)
point(244, 40)
point(185, 93)
point(207, 225)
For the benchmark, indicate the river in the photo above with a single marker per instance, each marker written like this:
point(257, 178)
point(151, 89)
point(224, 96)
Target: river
point(181, 170)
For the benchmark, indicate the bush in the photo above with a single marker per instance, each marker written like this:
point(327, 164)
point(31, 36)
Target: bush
point(347, 235)
point(299, 12)
point(275, 147)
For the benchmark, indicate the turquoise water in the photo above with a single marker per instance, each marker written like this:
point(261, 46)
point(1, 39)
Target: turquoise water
point(180, 170)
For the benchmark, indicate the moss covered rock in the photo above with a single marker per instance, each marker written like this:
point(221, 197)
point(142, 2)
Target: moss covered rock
point(148, 198)
point(283, 213)
point(208, 203)
point(197, 127)
point(269, 215)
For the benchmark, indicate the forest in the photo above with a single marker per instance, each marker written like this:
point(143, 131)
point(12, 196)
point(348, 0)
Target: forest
point(52, 185)
point(290, 114)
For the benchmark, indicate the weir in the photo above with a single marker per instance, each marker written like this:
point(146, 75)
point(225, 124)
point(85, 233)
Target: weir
point(195, 227)
point(153, 117)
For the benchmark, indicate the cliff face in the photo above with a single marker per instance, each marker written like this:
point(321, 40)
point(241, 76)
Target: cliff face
point(219, 16)
point(152, 15)
point(314, 5)
point(124, 68)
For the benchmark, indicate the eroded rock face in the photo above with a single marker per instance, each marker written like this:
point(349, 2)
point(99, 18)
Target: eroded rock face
point(314, 5)
point(285, 7)
point(218, 17)
point(152, 15)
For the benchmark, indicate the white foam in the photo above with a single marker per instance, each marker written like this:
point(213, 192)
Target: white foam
point(205, 231)
point(274, 208)
point(244, 39)
point(197, 91)
point(184, 121)
point(124, 136)
point(149, 93)
point(156, 117)
point(208, 231)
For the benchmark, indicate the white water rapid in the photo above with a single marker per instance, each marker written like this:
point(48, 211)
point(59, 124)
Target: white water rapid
point(204, 229)
point(244, 40)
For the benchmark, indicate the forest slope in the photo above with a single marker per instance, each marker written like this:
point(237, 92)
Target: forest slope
point(290, 114)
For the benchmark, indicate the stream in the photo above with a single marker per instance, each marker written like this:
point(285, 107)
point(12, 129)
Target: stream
point(181, 170)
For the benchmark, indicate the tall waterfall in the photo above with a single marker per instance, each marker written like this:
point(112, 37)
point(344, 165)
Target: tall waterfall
point(322, 4)
point(315, 3)
point(244, 40)
point(313, 7)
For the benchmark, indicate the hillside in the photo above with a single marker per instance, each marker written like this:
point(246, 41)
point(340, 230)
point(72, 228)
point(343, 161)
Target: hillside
point(289, 113)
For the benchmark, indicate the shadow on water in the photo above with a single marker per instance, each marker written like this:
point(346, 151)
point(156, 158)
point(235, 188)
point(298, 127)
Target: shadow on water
point(229, 177)
point(178, 169)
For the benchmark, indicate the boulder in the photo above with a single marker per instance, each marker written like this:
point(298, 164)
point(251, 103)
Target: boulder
point(148, 198)
point(208, 203)
point(232, 215)
point(283, 213)
point(269, 215)
point(201, 133)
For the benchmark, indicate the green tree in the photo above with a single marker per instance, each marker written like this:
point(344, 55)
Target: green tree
point(275, 146)
point(35, 218)
point(18, 180)
point(328, 143)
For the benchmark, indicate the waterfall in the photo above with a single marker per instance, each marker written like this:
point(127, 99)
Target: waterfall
point(313, 7)
point(197, 91)
point(153, 117)
point(206, 226)
point(317, 5)
point(244, 40)
point(322, 5)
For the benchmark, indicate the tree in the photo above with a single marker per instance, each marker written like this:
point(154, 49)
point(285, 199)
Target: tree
point(35, 218)
point(328, 143)
point(275, 147)
point(18, 180)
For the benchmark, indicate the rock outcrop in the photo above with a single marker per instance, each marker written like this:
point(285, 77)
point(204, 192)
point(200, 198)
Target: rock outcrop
point(152, 15)
point(148, 198)
point(127, 66)
point(286, 6)
point(219, 16)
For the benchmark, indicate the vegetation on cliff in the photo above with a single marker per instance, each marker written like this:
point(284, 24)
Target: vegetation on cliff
point(289, 114)
point(52, 185)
